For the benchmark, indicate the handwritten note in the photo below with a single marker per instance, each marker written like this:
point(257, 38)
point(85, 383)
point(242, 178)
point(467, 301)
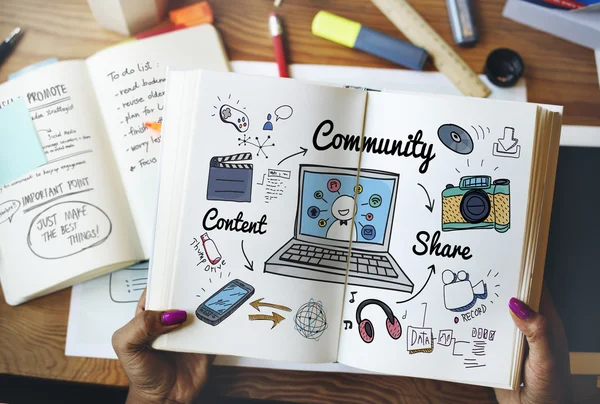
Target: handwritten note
point(130, 82)
point(138, 89)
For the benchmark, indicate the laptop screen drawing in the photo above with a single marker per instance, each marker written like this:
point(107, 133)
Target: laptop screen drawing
point(327, 203)
point(325, 222)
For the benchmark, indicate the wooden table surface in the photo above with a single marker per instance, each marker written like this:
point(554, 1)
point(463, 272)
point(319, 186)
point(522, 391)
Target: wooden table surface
point(32, 336)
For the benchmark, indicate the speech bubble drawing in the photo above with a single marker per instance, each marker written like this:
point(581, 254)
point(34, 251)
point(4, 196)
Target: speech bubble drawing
point(68, 228)
point(283, 112)
point(8, 210)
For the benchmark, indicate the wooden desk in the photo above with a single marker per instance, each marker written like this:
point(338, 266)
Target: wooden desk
point(32, 336)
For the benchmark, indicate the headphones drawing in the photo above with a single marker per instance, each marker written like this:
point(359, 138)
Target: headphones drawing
point(365, 327)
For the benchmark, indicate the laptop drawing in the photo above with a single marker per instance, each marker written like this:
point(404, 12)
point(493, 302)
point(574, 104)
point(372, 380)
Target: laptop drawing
point(319, 249)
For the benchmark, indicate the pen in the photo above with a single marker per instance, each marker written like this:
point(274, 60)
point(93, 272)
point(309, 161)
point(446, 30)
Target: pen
point(277, 34)
point(9, 43)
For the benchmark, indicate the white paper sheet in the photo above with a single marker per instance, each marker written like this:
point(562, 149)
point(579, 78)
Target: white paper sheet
point(101, 306)
point(379, 79)
point(86, 332)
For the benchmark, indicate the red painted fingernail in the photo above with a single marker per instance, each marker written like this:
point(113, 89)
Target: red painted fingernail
point(173, 317)
point(522, 310)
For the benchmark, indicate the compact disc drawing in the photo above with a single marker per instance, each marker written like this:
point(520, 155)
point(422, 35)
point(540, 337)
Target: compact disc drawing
point(455, 138)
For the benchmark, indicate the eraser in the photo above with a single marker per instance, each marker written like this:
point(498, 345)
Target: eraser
point(196, 14)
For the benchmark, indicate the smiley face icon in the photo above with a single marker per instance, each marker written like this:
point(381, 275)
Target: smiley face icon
point(342, 209)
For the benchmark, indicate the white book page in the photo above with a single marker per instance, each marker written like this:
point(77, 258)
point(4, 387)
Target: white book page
point(72, 216)
point(130, 82)
point(101, 306)
point(453, 324)
point(253, 138)
point(88, 337)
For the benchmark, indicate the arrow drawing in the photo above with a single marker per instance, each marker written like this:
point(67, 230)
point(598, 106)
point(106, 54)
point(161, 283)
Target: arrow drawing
point(508, 141)
point(275, 318)
point(432, 271)
point(250, 265)
point(302, 151)
point(258, 303)
point(262, 182)
point(429, 206)
point(507, 145)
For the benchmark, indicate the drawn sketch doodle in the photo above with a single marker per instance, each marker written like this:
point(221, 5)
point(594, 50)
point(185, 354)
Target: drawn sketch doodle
point(230, 178)
point(459, 293)
point(232, 115)
point(455, 138)
point(476, 203)
point(8, 210)
point(127, 285)
point(366, 329)
point(507, 145)
point(224, 302)
point(331, 209)
point(419, 339)
point(310, 320)
point(68, 228)
point(275, 317)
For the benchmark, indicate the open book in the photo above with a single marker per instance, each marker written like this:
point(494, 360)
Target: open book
point(383, 231)
point(91, 208)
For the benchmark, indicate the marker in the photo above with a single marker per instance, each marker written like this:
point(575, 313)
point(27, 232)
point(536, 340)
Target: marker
point(462, 21)
point(277, 35)
point(153, 125)
point(354, 35)
point(9, 43)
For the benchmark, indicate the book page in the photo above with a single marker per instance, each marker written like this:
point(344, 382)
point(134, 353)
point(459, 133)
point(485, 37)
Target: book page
point(263, 231)
point(441, 224)
point(101, 306)
point(69, 216)
point(130, 82)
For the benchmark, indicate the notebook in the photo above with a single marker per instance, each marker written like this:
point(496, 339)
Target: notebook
point(94, 315)
point(365, 225)
point(90, 208)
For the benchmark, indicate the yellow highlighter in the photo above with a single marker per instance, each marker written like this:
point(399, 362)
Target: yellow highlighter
point(353, 35)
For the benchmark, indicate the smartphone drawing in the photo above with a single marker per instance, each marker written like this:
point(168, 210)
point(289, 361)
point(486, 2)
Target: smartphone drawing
point(224, 302)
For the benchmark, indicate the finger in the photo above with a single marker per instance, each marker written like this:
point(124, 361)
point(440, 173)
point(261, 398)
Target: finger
point(141, 306)
point(145, 327)
point(535, 328)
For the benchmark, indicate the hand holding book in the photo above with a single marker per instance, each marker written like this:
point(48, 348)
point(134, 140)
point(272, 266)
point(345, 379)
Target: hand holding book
point(546, 378)
point(158, 376)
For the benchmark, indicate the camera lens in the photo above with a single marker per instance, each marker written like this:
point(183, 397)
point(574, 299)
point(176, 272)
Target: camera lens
point(475, 206)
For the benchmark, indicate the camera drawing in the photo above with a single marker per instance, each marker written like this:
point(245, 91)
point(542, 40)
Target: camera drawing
point(476, 203)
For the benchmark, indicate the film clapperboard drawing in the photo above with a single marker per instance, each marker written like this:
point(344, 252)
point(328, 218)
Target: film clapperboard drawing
point(230, 178)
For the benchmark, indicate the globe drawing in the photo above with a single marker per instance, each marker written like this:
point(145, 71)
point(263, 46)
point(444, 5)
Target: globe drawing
point(310, 320)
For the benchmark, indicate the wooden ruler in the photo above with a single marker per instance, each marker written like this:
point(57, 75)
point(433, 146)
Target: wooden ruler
point(416, 29)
